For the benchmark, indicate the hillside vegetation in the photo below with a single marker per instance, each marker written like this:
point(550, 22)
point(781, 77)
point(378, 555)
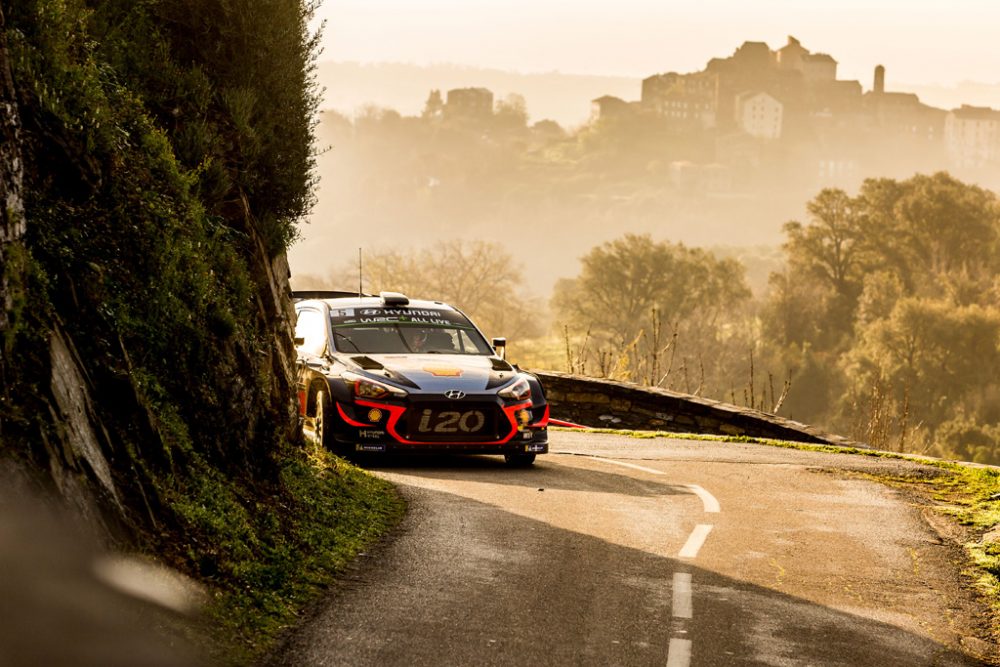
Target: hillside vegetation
point(156, 159)
point(884, 323)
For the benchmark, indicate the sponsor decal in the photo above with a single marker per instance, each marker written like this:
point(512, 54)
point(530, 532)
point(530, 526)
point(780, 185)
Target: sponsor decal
point(374, 415)
point(449, 421)
point(442, 371)
point(407, 315)
point(400, 311)
point(534, 448)
point(368, 448)
point(371, 434)
point(523, 418)
point(400, 319)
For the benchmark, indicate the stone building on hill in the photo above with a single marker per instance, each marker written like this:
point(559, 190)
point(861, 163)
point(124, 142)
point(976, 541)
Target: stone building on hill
point(799, 81)
point(686, 100)
point(469, 103)
point(780, 118)
point(759, 115)
point(609, 106)
point(791, 99)
point(972, 137)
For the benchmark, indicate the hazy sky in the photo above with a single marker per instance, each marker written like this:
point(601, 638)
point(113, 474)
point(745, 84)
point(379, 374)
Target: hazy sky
point(919, 41)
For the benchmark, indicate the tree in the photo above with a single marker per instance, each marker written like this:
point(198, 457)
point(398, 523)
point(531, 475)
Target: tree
point(950, 228)
point(511, 112)
point(622, 280)
point(893, 293)
point(637, 299)
point(829, 247)
point(930, 231)
point(480, 278)
point(433, 107)
point(939, 355)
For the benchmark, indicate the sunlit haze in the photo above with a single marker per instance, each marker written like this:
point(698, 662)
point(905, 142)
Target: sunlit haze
point(919, 41)
point(559, 56)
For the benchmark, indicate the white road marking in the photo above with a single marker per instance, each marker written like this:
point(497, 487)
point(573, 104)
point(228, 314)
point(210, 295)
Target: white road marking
point(679, 653)
point(711, 504)
point(683, 608)
point(695, 540)
point(679, 650)
point(707, 499)
point(652, 471)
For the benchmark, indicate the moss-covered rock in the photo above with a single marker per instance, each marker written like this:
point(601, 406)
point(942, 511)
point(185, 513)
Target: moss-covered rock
point(157, 157)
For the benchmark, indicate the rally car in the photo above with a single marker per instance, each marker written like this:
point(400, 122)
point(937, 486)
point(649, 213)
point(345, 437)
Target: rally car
point(390, 374)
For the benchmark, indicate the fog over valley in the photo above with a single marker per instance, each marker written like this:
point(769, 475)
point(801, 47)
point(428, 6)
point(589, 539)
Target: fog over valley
point(548, 166)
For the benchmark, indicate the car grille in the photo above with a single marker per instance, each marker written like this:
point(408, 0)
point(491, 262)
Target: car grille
point(454, 422)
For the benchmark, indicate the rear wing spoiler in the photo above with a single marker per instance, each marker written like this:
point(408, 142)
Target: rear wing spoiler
point(323, 294)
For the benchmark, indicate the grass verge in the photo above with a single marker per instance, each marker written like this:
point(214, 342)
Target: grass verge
point(265, 563)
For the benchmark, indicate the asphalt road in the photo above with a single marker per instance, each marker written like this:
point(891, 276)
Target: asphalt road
point(617, 551)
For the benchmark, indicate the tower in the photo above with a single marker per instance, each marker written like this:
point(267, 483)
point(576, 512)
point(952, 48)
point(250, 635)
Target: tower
point(879, 87)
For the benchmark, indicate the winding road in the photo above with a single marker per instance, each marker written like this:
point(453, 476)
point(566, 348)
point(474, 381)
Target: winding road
point(619, 551)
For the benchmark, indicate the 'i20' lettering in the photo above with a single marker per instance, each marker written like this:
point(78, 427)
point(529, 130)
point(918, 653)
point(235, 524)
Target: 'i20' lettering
point(451, 421)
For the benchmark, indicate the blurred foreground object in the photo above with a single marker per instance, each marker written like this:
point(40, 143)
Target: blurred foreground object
point(64, 602)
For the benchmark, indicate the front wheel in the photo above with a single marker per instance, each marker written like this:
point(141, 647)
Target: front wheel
point(321, 423)
point(519, 459)
point(323, 428)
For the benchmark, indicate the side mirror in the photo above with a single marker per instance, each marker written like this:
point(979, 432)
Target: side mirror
point(500, 347)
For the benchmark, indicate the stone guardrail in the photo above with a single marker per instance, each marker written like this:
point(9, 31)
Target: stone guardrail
point(612, 404)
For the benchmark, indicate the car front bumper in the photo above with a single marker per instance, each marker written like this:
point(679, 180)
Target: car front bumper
point(376, 426)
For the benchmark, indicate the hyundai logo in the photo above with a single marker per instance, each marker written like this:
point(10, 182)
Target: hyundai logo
point(454, 394)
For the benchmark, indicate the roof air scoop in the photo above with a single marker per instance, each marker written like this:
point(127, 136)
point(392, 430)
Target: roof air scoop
point(394, 299)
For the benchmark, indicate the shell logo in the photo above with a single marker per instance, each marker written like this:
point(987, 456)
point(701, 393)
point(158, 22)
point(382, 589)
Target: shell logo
point(444, 371)
point(374, 415)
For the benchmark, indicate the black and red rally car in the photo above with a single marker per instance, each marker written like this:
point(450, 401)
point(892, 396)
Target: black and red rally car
point(387, 373)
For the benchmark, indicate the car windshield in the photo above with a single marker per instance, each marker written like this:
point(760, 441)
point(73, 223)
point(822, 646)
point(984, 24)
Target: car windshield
point(405, 330)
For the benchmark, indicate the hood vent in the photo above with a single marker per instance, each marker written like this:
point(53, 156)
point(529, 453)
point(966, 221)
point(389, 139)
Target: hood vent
point(500, 364)
point(367, 363)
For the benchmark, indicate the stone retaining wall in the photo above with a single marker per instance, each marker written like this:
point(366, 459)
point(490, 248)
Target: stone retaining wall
point(611, 404)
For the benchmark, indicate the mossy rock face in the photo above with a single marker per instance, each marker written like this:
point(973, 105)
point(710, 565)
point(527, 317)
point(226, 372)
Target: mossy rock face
point(166, 154)
point(159, 191)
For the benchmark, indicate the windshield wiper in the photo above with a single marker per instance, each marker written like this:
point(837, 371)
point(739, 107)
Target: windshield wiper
point(337, 334)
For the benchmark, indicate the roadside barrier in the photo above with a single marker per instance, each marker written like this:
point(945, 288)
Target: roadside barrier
point(591, 402)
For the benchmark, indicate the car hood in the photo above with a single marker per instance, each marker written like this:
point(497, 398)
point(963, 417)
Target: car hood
point(438, 373)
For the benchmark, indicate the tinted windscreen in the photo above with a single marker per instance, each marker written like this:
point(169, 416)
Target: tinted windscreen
point(405, 330)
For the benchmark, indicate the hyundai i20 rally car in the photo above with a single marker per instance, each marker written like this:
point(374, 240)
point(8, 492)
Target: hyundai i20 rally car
point(390, 374)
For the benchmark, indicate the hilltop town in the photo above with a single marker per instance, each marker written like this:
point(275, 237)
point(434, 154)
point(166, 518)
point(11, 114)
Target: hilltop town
point(782, 117)
point(722, 156)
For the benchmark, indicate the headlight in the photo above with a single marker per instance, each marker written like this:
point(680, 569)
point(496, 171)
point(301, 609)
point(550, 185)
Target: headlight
point(518, 391)
point(364, 387)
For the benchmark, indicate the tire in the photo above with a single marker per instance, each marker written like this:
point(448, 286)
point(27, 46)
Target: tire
point(323, 422)
point(519, 459)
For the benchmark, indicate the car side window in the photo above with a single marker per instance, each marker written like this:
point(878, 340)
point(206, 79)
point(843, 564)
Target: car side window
point(311, 328)
point(467, 344)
